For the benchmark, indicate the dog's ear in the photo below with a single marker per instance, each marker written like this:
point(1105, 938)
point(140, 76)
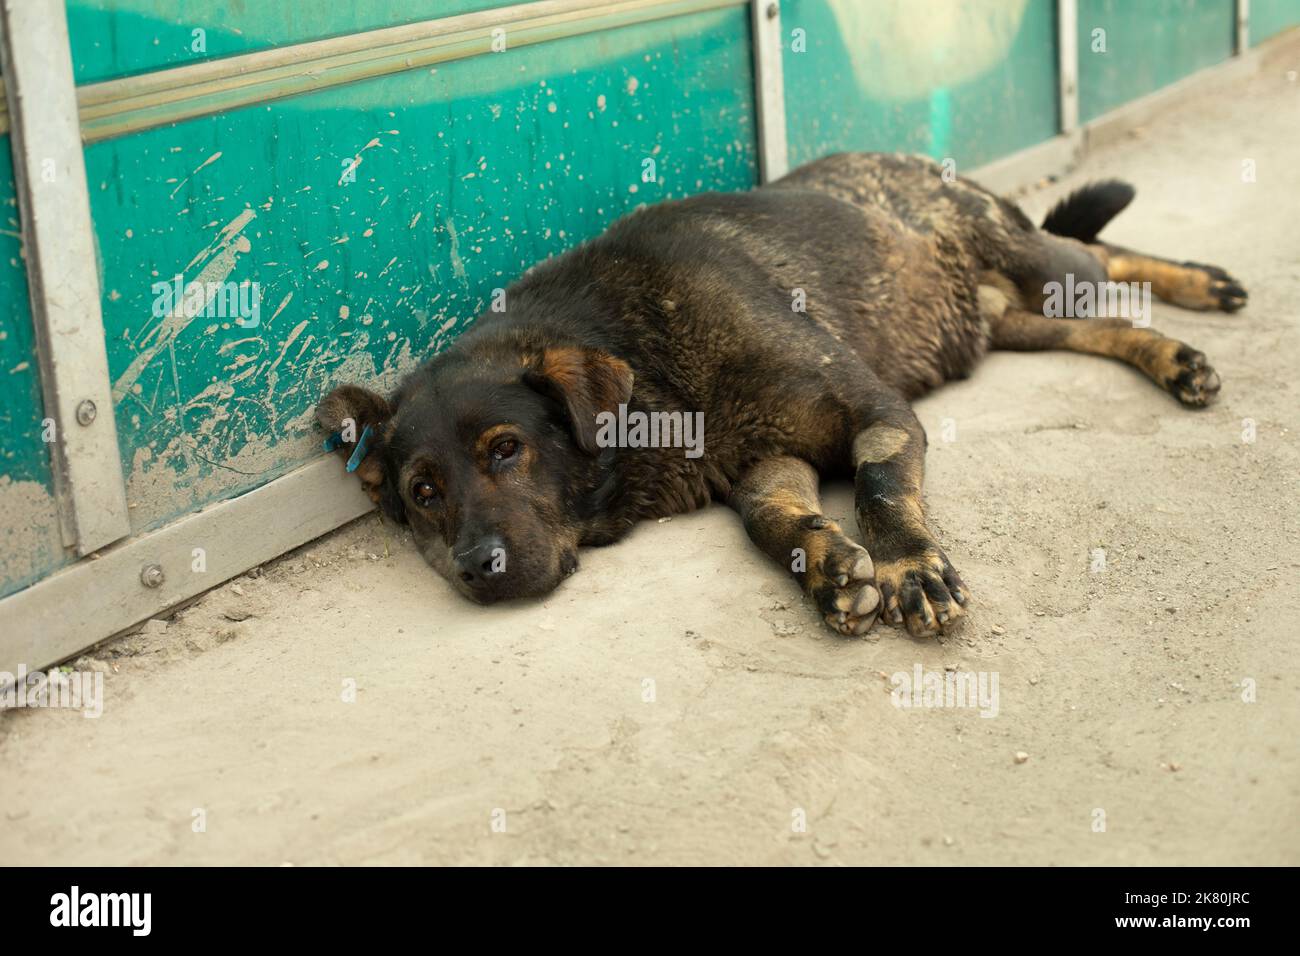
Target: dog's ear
point(586, 382)
point(352, 416)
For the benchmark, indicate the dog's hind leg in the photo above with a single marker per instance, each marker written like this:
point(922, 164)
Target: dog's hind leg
point(1173, 365)
point(918, 585)
point(778, 501)
point(1191, 285)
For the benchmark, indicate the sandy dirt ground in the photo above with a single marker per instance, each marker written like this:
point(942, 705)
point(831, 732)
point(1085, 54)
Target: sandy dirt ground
point(677, 703)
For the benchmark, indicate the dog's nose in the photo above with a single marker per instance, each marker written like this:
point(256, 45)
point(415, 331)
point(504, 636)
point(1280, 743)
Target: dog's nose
point(483, 562)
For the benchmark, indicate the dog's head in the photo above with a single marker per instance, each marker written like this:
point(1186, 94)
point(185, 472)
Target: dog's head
point(492, 460)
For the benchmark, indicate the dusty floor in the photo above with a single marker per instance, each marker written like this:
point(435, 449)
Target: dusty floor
point(676, 703)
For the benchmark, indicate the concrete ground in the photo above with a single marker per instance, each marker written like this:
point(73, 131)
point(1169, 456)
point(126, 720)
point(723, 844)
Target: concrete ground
point(1134, 566)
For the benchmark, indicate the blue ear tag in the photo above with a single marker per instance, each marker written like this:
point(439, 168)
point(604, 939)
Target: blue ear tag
point(359, 453)
point(334, 441)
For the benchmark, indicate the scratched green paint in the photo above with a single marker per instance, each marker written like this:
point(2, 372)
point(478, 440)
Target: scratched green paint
point(1147, 45)
point(24, 455)
point(979, 82)
point(468, 174)
point(29, 536)
point(1268, 18)
point(114, 38)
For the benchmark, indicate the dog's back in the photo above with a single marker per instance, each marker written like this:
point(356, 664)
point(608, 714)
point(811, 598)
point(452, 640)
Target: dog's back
point(855, 259)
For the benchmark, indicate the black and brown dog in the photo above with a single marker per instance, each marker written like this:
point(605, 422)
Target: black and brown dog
point(799, 319)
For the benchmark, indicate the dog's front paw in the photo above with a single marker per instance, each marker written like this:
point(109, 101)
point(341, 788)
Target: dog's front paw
point(1191, 379)
point(922, 591)
point(839, 581)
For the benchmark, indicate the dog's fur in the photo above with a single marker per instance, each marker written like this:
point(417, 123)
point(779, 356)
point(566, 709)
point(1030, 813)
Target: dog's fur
point(490, 451)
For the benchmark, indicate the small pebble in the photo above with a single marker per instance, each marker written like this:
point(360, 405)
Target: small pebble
point(1021, 756)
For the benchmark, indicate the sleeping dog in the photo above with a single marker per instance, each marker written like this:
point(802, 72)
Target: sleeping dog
point(791, 326)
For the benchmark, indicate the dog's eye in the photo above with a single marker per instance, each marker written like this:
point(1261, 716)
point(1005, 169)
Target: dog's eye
point(424, 493)
point(505, 449)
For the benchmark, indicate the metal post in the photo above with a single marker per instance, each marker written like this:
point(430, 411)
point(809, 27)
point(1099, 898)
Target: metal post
point(1067, 43)
point(58, 245)
point(769, 86)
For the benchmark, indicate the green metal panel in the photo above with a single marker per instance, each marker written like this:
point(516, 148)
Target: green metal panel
point(1128, 48)
point(113, 38)
point(30, 545)
point(464, 176)
point(378, 218)
point(1270, 17)
point(965, 79)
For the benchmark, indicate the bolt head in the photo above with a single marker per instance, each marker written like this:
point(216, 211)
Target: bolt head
point(772, 10)
point(151, 575)
point(86, 412)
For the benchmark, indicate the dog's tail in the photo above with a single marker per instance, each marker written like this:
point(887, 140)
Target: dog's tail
point(1084, 213)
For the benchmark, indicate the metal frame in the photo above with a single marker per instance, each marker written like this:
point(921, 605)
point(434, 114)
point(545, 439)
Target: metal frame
point(81, 605)
point(769, 90)
point(1067, 42)
point(1067, 63)
point(59, 246)
point(160, 97)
